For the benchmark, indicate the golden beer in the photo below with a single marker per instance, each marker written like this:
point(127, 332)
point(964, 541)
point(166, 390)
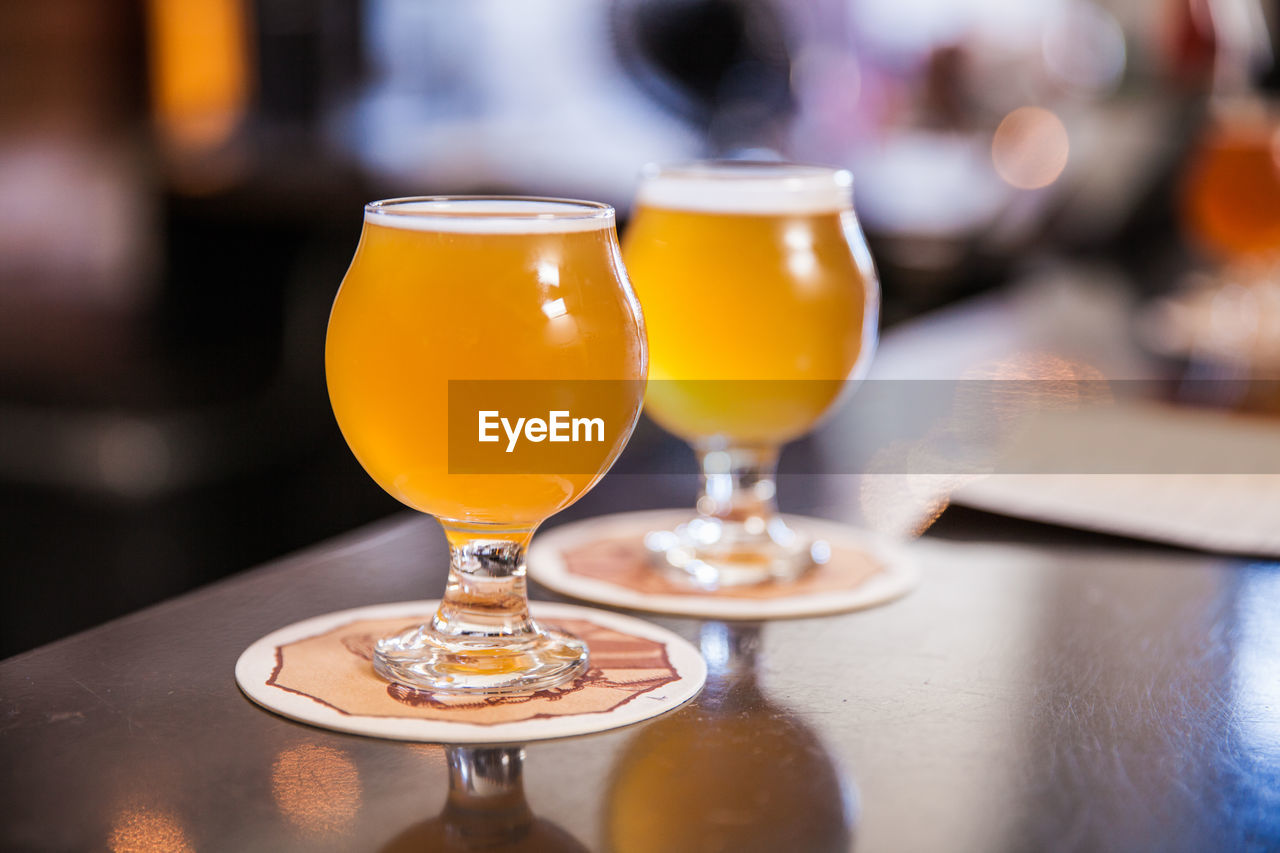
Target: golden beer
point(749, 288)
point(761, 302)
point(427, 300)
point(448, 293)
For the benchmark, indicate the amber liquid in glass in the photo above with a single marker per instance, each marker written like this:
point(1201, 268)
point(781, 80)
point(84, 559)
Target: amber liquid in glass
point(418, 308)
point(443, 292)
point(773, 303)
point(761, 303)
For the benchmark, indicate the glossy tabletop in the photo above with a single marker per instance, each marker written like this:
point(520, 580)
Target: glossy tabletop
point(1042, 689)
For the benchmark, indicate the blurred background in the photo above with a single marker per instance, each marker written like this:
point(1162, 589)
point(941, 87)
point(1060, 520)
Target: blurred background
point(181, 185)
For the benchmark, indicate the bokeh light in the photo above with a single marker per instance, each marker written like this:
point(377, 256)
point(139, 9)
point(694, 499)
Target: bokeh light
point(317, 787)
point(896, 501)
point(200, 78)
point(1030, 148)
point(144, 830)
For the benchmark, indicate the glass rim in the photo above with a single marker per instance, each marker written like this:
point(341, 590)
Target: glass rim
point(573, 208)
point(747, 170)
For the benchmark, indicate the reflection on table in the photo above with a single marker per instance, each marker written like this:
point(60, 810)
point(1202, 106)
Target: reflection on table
point(732, 772)
point(486, 810)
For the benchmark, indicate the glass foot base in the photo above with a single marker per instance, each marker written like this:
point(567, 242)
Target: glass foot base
point(428, 660)
point(712, 553)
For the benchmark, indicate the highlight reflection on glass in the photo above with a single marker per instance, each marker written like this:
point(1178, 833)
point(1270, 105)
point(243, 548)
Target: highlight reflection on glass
point(761, 302)
point(733, 772)
point(480, 288)
point(486, 810)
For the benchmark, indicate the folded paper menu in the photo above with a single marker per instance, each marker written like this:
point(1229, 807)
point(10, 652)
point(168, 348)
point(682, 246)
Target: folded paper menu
point(1232, 513)
point(1195, 478)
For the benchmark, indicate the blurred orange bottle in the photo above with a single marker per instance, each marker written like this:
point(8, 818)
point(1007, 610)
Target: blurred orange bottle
point(1231, 190)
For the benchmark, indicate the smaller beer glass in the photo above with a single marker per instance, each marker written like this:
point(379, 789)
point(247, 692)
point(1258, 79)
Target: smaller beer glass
point(525, 293)
point(761, 304)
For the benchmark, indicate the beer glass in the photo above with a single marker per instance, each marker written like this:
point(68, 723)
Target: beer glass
point(761, 303)
point(445, 290)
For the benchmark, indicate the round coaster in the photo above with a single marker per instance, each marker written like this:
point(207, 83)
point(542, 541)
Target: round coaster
point(319, 671)
point(604, 560)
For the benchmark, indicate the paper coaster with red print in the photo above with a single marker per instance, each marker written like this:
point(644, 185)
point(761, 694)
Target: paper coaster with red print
point(604, 560)
point(319, 671)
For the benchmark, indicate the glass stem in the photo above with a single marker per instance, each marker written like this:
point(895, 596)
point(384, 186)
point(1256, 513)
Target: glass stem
point(486, 595)
point(738, 485)
point(731, 651)
point(486, 803)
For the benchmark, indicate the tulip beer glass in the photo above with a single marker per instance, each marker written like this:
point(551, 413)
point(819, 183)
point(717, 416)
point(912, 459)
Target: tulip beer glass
point(761, 303)
point(448, 290)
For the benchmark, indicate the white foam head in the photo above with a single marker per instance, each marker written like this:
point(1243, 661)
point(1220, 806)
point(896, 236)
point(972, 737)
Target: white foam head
point(750, 188)
point(490, 215)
